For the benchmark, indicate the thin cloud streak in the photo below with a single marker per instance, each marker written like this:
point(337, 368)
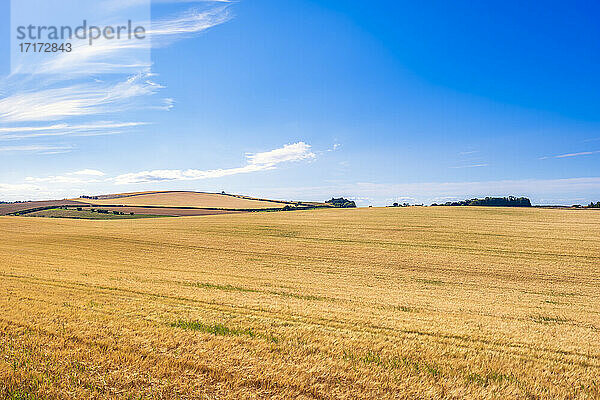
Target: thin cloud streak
point(122, 4)
point(256, 162)
point(584, 153)
point(83, 176)
point(190, 22)
point(91, 129)
point(289, 152)
point(471, 166)
point(34, 149)
point(88, 172)
point(569, 155)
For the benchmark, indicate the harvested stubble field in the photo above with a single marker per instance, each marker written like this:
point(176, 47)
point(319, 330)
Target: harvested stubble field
point(365, 303)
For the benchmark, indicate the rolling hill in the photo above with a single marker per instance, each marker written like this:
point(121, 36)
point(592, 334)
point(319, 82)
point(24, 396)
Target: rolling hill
point(165, 203)
point(184, 199)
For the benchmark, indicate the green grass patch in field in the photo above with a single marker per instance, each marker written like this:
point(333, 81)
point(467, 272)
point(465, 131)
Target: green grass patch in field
point(222, 330)
point(551, 302)
point(406, 309)
point(487, 379)
point(546, 319)
point(231, 288)
point(227, 288)
point(20, 395)
point(215, 329)
point(302, 296)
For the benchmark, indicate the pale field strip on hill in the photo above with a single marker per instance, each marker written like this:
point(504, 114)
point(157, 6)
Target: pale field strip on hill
point(185, 199)
point(365, 303)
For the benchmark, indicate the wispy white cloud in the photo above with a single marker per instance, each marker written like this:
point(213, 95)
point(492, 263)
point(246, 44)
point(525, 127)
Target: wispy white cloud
point(188, 23)
point(185, 175)
point(75, 100)
point(256, 162)
point(471, 166)
point(569, 155)
point(17, 189)
point(335, 147)
point(90, 129)
point(289, 152)
point(76, 86)
point(167, 104)
point(68, 92)
point(87, 172)
point(583, 153)
point(80, 180)
point(63, 179)
point(127, 55)
point(34, 149)
point(123, 4)
point(34, 191)
point(82, 176)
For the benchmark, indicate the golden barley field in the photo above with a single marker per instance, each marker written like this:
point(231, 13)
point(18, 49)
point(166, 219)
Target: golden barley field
point(325, 304)
point(184, 199)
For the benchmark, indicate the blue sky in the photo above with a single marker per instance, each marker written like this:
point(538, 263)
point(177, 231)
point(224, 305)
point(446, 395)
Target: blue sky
point(379, 101)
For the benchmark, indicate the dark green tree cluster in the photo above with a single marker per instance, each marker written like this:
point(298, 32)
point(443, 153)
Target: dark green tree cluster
point(594, 205)
point(341, 203)
point(510, 201)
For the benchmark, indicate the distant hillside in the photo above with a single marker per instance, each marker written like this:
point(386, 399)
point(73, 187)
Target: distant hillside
point(510, 201)
point(183, 199)
point(171, 203)
point(20, 206)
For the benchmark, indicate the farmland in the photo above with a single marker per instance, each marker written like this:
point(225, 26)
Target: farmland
point(9, 208)
point(331, 303)
point(164, 203)
point(80, 213)
point(185, 199)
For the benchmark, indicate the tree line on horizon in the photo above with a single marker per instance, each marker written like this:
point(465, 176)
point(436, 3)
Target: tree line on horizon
point(341, 203)
point(509, 201)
